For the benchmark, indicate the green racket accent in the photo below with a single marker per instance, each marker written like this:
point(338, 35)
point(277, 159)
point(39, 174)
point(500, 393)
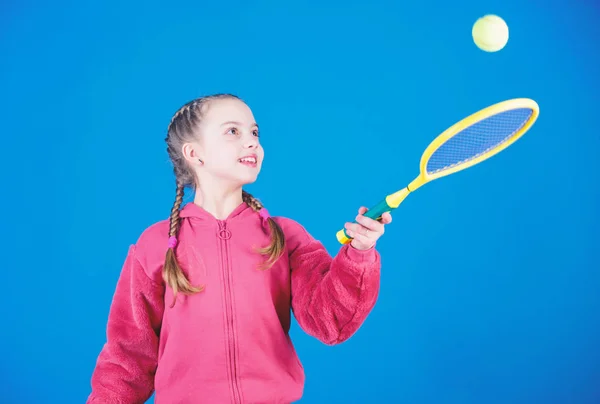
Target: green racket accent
point(374, 213)
point(392, 201)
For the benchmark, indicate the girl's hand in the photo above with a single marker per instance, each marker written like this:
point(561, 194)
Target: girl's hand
point(366, 231)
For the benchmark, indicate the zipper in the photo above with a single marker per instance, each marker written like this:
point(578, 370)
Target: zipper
point(224, 235)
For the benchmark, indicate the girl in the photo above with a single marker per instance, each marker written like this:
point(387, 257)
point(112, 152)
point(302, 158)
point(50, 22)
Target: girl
point(209, 322)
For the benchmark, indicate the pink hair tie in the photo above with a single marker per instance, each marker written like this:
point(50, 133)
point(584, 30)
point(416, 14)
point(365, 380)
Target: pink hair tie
point(172, 241)
point(264, 213)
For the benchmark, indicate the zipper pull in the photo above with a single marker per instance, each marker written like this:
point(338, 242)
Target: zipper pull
point(224, 233)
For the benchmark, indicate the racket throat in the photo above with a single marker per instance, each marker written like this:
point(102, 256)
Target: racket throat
point(394, 200)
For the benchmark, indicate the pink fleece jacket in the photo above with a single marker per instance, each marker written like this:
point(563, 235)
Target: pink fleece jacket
point(229, 343)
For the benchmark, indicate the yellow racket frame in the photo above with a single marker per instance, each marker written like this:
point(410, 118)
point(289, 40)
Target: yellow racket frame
point(392, 201)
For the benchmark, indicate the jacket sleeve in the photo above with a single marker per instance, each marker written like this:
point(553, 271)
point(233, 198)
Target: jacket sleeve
point(124, 372)
point(331, 297)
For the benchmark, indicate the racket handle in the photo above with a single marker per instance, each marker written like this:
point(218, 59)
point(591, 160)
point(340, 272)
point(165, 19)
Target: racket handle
point(374, 213)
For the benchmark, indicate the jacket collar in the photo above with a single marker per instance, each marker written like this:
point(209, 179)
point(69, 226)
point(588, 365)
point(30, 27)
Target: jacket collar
point(195, 211)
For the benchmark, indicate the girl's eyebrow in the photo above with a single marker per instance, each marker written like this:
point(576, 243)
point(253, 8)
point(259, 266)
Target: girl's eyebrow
point(237, 123)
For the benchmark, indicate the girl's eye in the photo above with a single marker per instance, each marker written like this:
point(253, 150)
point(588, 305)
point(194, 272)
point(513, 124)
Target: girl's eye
point(255, 133)
point(232, 131)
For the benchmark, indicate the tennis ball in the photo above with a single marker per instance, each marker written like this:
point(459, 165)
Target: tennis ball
point(490, 33)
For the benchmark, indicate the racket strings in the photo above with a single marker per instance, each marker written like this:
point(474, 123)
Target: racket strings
point(478, 139)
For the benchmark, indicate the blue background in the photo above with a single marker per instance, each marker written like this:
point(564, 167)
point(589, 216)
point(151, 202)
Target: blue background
point(490, 285)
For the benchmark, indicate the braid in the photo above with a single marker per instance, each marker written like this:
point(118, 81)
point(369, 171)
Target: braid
point(172, 273)
point(185, 118)
point(251, 201)
point(277, 245)
point(174, 218)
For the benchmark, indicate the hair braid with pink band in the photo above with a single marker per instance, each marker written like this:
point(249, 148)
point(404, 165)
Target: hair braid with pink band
point(264, 214)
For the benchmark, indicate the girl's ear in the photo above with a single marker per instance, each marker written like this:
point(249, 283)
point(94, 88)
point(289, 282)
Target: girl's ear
point(191, 155)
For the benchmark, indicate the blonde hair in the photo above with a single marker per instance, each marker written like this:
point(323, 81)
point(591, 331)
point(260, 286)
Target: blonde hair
point(182, 129)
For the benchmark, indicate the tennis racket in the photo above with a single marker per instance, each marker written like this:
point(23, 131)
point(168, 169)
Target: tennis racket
point(468, 142)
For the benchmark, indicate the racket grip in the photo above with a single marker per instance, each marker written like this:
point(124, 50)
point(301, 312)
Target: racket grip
point(374, 213)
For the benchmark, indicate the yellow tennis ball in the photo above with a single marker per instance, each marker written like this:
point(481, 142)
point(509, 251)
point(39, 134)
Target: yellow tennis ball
point(490, 33)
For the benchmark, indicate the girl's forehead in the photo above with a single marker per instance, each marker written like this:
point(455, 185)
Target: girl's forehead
point(221, 111)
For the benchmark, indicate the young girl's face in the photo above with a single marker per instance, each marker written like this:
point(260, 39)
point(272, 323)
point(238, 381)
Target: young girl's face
point(228, 143)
